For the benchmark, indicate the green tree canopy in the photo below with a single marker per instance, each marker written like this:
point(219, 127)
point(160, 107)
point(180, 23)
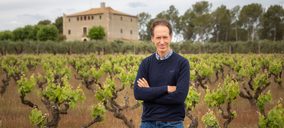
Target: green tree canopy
point(273, 23)
point(143, 19)
point(96, 33)
point(6, 35)
point(221, 23)
point(59, 24)
point(47, 32)
point(44, 22)
point(249, 17)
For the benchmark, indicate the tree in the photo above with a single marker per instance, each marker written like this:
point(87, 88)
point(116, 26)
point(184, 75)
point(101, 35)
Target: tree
point(143, 20)
point(6, 35)
point(44, 22)
point(96, 33)
point(172, 16)
point(47, 32)
point(30, 32)
point(272, 23)
point(187, 24)
point(221, 23)
point(59, 24)
point(249, 17)
point(19, 34)
point(234, 13)
point(201, 20)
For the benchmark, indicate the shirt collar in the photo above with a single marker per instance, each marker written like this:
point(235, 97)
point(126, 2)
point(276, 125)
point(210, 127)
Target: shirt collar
point(158, 57)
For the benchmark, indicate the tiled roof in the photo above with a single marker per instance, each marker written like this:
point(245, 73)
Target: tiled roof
point(100, 11)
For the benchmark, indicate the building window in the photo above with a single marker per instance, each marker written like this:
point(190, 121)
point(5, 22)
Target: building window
point(84, 31)
point(121, 31)
point(69, 32)
point(121, 18)
point(92, 17)
point(85, 17)
point(89, 18)
point(131, 32)
point(69, 19)
point(81, 18)
point(78, 18)
point(131, 20)
point(100, 17)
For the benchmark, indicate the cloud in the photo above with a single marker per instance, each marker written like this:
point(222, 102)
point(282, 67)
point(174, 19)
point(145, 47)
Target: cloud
point(136, 4)
point(31, 17)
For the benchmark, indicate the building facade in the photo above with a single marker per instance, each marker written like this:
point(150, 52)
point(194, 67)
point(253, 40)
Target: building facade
point(117, 25)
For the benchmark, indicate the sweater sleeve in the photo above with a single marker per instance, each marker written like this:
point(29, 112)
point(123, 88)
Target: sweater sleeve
point(178, 97)
point(147, 94)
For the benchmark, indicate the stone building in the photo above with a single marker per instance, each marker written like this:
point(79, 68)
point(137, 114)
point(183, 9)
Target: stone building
point(117, 25)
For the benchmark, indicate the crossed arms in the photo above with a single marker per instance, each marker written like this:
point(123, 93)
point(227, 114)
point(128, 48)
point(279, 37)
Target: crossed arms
point(167, 94)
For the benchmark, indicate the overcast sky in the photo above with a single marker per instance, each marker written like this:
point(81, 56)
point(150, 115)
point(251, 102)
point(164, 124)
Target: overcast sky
point(18, 13)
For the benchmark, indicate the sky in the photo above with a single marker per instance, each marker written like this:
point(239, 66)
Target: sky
point(18, 13)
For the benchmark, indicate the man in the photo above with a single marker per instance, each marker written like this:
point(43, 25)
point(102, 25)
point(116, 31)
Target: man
point(162, 82)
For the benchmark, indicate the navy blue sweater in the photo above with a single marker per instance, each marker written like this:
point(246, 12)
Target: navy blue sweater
point(158, 104)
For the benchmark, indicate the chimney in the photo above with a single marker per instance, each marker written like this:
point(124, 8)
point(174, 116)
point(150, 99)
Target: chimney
point(103, 4)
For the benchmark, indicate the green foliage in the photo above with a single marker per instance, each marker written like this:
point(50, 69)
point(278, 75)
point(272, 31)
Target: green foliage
point(107, 92)
point(215, 98)
point(192, 98)
point(201, 19)
point(56, 66)
point(210, 120)
point(272, 23)
point(275, 66)
point(47, 32)
point(248, 69)
point(107, 67)
point(143, 20)
point(203, 69)
point(172, 16)
point(19, 34)
point(260, 81)
point(263, 99)
point(274, 119)
point(104, 47)
point(96, 33)
point(13, 66)
point(97, 74)
point(231, 88)
point(37, 118)
point(222, 21)
point(98, 111)
point(26, 85)
point(63, 93)
point(6, 35)
point(228, 92)
point(59, 24)
point(44, 22)
point(30, 32)
point(249, 16)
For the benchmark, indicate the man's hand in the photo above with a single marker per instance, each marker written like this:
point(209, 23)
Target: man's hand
point(143, 83)
point(171, 88)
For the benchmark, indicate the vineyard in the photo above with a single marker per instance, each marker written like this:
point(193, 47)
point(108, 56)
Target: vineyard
point(80, 91)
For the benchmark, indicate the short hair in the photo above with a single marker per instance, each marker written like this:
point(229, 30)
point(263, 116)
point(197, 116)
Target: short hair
point(162, 22)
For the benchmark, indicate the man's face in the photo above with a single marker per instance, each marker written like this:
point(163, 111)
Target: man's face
point(161, 39)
